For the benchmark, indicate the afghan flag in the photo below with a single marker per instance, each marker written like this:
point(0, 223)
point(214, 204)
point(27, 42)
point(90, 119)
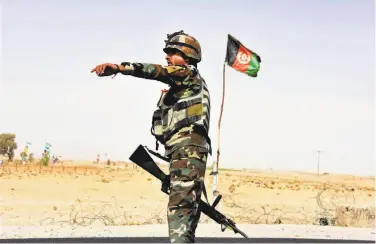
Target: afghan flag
point(241, 58)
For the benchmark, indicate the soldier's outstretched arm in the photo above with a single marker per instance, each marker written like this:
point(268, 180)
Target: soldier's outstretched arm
point(172, 75)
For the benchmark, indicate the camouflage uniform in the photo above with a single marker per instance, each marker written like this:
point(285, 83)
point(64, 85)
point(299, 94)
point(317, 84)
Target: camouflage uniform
point(188, 147)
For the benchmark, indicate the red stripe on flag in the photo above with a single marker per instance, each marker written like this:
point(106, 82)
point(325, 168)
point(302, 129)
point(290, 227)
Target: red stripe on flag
point(242, 60)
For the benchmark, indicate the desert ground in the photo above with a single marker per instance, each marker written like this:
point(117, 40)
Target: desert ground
point(90, 194)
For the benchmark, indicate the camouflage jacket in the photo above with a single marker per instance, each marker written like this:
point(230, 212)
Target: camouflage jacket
point(185, 82)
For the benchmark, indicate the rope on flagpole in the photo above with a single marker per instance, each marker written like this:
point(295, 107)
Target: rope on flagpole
point(215, 188)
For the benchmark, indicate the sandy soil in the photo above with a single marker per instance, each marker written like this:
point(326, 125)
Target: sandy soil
point(88, 194)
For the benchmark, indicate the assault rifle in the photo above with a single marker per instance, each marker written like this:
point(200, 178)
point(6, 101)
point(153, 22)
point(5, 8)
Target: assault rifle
point(141, 157)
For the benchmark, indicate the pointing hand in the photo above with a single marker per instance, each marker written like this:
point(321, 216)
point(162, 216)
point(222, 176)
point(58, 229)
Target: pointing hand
point(105, 69)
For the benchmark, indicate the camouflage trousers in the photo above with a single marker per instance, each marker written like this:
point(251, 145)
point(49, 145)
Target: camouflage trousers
point(187, 168)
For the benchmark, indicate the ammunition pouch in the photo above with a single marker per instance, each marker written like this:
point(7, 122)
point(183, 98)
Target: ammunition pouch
point(156, 127)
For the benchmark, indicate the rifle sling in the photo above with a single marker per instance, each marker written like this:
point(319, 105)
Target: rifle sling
point(157, 155)
point(204, 191)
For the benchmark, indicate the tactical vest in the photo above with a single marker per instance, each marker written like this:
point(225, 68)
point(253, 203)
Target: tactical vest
point(169, 118)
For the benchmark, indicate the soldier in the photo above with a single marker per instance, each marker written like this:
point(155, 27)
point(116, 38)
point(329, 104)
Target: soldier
point(181, 124)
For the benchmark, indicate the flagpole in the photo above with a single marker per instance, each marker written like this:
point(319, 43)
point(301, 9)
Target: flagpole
point(215, 169)
point(241, 59)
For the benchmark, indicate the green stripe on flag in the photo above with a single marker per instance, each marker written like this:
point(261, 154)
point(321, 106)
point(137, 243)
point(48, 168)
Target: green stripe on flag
point(253, 67)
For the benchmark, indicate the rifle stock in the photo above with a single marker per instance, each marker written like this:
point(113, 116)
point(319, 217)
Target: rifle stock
point(141, 157)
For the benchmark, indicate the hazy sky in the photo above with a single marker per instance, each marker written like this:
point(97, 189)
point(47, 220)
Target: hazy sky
point(315, 89)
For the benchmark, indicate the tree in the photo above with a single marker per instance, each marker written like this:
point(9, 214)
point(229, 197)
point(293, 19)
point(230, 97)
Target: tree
point(8, 145)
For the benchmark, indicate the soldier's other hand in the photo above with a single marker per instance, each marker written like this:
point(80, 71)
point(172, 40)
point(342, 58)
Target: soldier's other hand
point(105, 69)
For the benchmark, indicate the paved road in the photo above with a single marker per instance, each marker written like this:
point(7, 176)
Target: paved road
point(166, 240)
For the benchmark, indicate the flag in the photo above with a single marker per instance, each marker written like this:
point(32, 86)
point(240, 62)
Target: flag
point(26, 148)
point(47, 147)
point(241, 58)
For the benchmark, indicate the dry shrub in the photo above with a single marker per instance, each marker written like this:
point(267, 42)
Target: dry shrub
point(105, 180)
point(232, 188)
point(356, 217)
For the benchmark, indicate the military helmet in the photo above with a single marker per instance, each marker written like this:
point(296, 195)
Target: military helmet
point(184, 43)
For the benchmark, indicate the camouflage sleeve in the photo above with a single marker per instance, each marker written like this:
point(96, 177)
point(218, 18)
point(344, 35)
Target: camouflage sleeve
point(171, 75)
